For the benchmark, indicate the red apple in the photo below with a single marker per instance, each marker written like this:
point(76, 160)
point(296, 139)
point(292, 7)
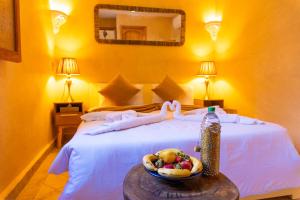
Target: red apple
point(186, 165)
point(169, 166)
point(178, 159)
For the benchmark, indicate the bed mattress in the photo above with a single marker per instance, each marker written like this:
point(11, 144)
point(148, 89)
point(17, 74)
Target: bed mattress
point(258, 158)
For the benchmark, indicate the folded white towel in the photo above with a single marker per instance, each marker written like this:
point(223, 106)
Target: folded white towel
point(125, 124)
point(228, 118)
point(224, 118)
point(95, 116)
point(198, 115)
point(120, 115)
point(249, 121)
point(127, 119)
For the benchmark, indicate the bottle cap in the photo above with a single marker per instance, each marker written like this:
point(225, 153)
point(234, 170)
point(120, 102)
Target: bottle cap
point(211, 109)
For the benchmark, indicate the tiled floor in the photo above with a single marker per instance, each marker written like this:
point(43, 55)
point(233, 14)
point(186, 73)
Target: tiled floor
point(44, 186)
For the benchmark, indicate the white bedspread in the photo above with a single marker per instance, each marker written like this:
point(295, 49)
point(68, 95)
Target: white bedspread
point(257, 158)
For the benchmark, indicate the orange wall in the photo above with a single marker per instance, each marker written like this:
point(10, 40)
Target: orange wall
point(257, 53)
point(140, 64)
point(26, 94)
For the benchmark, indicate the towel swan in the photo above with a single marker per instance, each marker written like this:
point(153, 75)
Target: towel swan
point(176, 105)
point(165, 106)
point(178, 115)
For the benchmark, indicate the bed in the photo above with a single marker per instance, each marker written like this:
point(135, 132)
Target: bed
point(259, 159)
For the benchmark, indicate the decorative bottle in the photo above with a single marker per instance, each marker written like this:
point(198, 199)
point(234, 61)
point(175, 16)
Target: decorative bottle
point(210, 143)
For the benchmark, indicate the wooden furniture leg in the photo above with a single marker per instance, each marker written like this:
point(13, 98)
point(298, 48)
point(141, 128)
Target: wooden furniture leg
point(59, 137)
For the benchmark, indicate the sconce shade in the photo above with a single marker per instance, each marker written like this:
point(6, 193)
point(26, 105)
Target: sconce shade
point(213, 28)
point(207, 68)
point(67, 66)
point(58, 19)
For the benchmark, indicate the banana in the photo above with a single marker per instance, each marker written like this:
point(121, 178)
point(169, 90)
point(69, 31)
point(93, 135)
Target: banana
point(147, 161)
point(168, 156)
point(174, 173)
point(168, 150)
point(197, 165)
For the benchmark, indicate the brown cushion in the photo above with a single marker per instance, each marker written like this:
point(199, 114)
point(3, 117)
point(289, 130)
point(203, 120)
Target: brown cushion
point(119, 91)
point(169, 90)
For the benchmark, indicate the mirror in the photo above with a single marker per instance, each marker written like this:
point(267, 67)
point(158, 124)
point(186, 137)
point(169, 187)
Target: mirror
point(118, 24)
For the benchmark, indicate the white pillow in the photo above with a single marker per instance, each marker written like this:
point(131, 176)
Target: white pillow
point(95, 116)
point(109, 116)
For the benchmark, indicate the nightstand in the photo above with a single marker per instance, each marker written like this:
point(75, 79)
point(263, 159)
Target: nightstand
point(66, 115)
point(207, 103)
point(214, 102)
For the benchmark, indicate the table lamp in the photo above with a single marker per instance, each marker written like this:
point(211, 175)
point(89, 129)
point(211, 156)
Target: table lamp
point(68, 67)
point(207, 69)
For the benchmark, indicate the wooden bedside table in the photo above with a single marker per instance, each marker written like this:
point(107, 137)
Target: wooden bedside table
point(66, 115)
point(207, 103)
point(214, 102)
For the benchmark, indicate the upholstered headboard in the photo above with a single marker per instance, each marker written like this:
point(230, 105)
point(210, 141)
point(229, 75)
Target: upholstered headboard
point(144, 96)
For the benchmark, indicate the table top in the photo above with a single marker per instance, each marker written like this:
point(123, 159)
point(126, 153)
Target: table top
point(138, 185)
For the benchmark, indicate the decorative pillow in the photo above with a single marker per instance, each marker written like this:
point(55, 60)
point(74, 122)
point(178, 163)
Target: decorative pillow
point(119, 91)
point(169, 90)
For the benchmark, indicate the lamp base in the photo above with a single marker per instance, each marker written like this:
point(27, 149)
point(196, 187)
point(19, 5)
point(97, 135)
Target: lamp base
point(69, 84)
point(206, 97)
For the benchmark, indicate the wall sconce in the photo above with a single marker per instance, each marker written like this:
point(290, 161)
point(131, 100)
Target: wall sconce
point(59, 18)
point(213, 28)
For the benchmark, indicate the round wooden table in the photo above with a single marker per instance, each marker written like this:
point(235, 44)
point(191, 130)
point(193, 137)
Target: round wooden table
point(139, 185)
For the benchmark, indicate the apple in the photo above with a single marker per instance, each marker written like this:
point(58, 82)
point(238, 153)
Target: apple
point(169, 166)
point(178, 159)
point(186, 165)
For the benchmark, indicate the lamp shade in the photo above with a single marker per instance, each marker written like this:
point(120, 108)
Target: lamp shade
point(67, 66)
point(207, 68)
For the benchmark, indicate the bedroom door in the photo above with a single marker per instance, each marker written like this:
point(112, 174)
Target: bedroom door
point(134, 32)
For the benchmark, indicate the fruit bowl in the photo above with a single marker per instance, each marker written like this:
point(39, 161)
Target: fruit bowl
point(172, 179)
point(172, 164)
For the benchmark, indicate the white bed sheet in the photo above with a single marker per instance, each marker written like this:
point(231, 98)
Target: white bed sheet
point(258, 158)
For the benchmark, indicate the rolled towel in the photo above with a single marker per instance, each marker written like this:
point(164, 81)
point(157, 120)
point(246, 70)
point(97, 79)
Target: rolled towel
point(249, 121)
point(120, 115)
point(228, 118)
point(124, 124)
point(95, 116)
point(129, 115)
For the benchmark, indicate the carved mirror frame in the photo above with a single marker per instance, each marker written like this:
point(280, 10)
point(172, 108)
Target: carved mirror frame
point(13, 55)
point(138, 9)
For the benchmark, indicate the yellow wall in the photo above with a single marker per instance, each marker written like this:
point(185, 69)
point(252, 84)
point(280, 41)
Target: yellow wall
point(140, 64)
point(26, 94)
point(257, 53)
